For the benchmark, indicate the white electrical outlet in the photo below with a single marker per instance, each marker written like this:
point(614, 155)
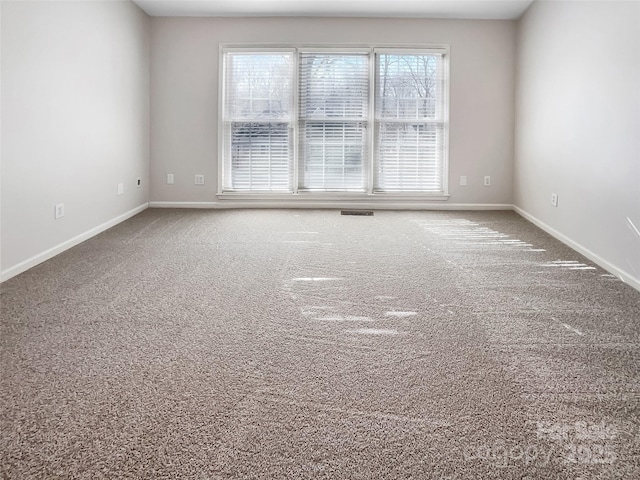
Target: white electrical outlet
point(58, 211)
point(199, 179)
point(169, 178)
point(120, 188)
point(463, 181)
point(554, 199)
point(487, 181)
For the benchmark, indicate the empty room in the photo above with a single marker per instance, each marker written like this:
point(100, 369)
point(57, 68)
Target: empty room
point(355, 239)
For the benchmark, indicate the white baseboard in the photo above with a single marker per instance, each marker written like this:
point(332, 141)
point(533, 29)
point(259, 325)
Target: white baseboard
point(621, 274)
point(52, 252)
point(324, 204)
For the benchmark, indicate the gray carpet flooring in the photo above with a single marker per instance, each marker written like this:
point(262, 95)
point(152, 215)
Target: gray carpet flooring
point(304, 344)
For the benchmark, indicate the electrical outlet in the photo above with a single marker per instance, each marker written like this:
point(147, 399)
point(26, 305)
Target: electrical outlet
point(463, 181)
point(554, 199)
point(487, 181)
point(199, 179)
point(120, 188)
point(169, 178)
point(58, 211)
point(139, 182)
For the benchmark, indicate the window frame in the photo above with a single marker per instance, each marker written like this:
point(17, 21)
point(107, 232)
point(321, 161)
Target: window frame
point(369, 166)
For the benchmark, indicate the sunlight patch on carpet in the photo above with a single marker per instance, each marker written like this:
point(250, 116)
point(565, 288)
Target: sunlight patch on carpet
point(400, 314)
point(375, 331)
point(316, 279)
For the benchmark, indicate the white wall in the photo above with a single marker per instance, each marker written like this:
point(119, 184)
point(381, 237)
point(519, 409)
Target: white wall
point(75, 122)
point(578, 127)
point(184, 93)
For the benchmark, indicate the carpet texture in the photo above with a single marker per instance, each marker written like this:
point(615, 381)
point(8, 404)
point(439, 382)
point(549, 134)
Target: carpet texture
point(306, 344)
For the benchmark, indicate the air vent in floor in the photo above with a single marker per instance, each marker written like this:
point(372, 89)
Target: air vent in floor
point(366, 213)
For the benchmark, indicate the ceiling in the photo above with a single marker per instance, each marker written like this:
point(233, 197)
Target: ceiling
point(471, 9)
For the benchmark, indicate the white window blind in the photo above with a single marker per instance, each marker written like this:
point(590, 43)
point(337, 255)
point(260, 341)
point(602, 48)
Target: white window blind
point(303, 119)
point(410, 122)
point(257, 119)
point(334, 105)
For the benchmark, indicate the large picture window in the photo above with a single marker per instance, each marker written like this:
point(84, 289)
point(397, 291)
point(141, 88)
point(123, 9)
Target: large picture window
point(334, 120)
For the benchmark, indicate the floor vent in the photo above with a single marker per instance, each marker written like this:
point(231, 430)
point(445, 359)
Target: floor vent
point(366, 213)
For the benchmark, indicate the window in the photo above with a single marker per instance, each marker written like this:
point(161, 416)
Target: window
point(409, 122)
point(334, 120)
point(334, 101)
point(257, 123)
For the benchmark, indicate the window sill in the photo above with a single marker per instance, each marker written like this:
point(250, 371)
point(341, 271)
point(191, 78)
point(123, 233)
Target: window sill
point(334, 197)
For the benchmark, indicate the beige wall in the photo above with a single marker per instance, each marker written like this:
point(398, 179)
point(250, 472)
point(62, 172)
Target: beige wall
point(184, 93)
point(578, 127)
point(75, 122)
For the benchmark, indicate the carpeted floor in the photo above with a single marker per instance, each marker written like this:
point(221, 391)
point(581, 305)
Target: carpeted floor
point(305, 344)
